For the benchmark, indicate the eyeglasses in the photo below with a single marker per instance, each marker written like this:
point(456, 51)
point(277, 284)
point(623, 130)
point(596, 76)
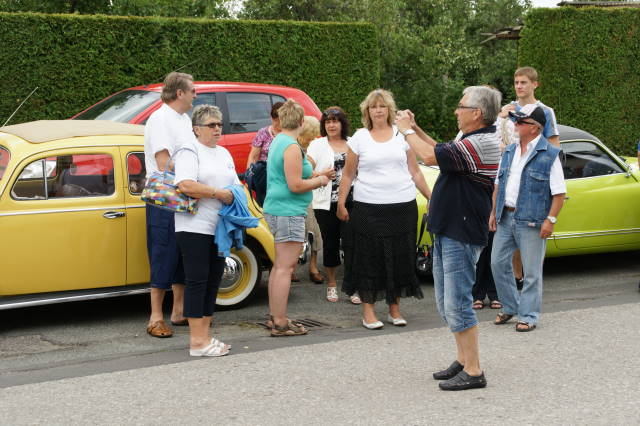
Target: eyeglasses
point(466, 107)
point(212, 125)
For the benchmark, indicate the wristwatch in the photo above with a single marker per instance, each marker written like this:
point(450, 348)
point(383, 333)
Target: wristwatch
point(408, 132)
point(552, 219)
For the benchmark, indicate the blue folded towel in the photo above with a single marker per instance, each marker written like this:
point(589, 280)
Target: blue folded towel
point(234, 219)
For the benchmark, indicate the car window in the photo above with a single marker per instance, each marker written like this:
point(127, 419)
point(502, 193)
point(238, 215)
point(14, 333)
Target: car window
point(121, 107)
point(136, 172)
point(248, 112)
point(277, 98)
point(79, 175)
point(5, 156)
point(203, 99)
point(586, 159)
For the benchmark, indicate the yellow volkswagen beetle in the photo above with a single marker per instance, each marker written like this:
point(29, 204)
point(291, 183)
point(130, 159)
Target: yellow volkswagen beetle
point(72, 222)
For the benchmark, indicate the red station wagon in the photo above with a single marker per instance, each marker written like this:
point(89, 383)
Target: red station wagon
point(245, 108)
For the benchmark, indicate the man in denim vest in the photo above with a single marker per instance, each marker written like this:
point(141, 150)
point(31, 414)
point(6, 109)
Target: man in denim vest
point(527, 198)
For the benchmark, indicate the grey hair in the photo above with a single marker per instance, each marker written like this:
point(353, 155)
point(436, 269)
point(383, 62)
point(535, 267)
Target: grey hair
point(202, 112)
point(486, 99)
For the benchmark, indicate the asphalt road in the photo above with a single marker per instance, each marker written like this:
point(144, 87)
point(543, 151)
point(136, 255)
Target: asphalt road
point(53, 342)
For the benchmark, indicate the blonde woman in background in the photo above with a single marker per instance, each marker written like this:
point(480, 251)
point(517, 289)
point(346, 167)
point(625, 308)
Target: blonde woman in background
point(310, 131)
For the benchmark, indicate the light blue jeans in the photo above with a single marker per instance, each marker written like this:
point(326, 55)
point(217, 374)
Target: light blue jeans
point(454, 273)
point(509, 237)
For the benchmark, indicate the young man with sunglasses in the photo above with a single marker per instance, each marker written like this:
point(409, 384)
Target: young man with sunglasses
point(166, 129)
point(528, 195)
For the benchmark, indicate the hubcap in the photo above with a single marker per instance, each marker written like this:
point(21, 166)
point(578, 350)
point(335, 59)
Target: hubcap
point(233, 271)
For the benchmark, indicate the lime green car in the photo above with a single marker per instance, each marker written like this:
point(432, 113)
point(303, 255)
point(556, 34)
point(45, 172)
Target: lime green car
point(601, 212)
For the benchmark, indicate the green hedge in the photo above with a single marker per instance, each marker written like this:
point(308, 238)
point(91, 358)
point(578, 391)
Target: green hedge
point(588, 60)
point(78, 60)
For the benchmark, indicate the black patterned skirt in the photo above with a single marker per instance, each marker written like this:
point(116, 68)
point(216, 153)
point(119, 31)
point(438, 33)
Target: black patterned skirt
point(381, 264)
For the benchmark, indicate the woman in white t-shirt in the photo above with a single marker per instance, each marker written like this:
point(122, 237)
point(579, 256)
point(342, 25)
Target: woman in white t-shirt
point(384, 214)
point(203, 170)
point(329, 153)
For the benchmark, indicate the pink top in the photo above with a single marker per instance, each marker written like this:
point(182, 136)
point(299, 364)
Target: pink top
point(263, 141)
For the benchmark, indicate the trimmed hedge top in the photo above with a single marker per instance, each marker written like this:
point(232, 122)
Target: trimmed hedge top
point(588, 60)
point(77, 60)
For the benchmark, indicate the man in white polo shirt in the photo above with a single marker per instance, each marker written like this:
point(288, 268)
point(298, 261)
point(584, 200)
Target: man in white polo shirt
point(166, 129)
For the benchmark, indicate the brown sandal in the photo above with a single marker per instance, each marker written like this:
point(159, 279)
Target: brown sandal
point(478, 304)
point(525, 326)
point(495, 304)
point(316, 277)
point(291, 329)
point(502, 318)
point(159, 329)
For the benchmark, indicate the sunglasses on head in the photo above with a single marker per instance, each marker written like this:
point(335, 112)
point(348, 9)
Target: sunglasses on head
point(332, 112)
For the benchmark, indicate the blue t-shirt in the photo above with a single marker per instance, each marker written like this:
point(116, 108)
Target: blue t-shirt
point(281, 201)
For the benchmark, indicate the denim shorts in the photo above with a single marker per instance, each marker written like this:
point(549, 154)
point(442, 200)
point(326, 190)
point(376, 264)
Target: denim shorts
point(286, 228)
point(164, 255)
point(454, 273)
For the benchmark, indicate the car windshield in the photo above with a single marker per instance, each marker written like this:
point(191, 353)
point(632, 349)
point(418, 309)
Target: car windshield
point(121, 107)
point(5, 156)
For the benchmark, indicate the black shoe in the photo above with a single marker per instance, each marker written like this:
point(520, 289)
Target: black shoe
point(519, 283)
point(450, 372)
point(463, 381)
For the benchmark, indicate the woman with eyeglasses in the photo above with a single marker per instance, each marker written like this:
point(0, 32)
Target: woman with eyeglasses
point(202, 170)
point(329, 153)
point(384, 213)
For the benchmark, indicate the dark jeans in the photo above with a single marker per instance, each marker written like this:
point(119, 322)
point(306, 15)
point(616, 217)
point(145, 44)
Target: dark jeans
point(164, 255)
point(203, 272)
point(485, 286)
point(333, 230)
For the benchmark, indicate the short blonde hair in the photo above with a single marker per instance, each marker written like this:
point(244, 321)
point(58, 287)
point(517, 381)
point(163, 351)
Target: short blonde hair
point(290, 114)
point(529, 72)
point(310, 131)
point(382, 96)
point(173, 82)
point(202, 112)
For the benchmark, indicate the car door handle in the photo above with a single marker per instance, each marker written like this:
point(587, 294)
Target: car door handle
point(113, 215)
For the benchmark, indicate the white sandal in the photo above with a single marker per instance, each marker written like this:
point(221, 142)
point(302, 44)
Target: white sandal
point(212, 349)
point(355, 299)
point(215, 341)
point(332, 294)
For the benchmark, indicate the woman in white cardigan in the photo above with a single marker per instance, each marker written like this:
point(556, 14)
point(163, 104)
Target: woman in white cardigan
point(329, 152)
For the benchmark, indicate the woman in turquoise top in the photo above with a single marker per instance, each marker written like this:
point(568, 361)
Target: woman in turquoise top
point(289, 186)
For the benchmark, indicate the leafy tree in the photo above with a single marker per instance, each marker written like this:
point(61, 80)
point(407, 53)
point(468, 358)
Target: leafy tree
point(430, 49)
